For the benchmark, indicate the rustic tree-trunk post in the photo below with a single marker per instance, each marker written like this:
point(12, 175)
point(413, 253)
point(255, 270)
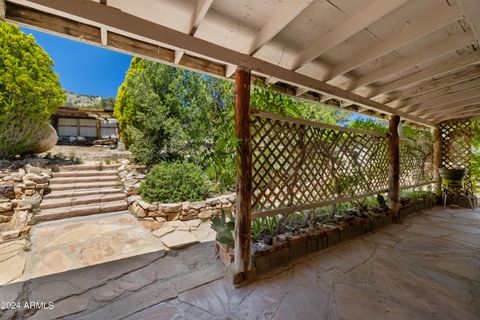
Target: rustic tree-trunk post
point(394, 165)
point(243, 209)
point(437, 159)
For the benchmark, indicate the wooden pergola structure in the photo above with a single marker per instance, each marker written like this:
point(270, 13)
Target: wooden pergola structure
point(412, 61)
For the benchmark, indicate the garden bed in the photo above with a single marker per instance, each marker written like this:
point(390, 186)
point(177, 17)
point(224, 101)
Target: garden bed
point(286, 248)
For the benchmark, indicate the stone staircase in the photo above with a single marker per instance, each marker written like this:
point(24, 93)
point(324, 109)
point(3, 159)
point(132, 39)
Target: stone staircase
point(81, 190)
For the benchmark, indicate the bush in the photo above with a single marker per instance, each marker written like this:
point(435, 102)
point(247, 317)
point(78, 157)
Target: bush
point(175, 182)
point(29, 91)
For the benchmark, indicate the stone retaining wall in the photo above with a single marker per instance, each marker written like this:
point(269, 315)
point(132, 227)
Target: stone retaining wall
point(183, 211)
point(131, 176)
point(21, 192)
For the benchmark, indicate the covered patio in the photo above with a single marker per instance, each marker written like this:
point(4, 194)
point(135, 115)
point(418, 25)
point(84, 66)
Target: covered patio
point(411, 62)
point(425, 268)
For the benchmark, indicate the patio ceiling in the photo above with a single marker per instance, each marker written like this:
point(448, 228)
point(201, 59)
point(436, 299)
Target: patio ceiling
point(418, 59)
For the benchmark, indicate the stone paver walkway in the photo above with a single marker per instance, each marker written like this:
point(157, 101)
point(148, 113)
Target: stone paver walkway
point(428, 267)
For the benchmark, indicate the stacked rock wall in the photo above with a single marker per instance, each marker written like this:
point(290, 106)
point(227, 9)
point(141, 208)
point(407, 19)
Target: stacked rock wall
point(21, 191)
point(183, 211)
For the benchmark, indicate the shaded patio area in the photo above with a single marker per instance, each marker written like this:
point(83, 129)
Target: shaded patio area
point(427, 267)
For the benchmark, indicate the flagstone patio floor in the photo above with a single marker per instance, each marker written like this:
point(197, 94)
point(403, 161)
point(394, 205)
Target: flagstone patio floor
point(427, 267)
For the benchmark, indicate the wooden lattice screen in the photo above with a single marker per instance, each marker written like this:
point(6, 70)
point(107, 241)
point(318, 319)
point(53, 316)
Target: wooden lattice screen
point(456, 148)
point(416, 162)
point(299, 164)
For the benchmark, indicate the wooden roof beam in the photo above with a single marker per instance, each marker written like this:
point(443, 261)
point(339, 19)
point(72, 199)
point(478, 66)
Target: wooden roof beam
point(409, 34)
point(471, 10)
point(435, 83)
point(119, 21)
point(281, 19)
point(198, 15)
point(440, 48)
point(273, 27)
point(445, 99)
point(457, 116)
point(453, 63)
point(453, 105)
point(443, 111)
point(424, 98)
point(366, 16)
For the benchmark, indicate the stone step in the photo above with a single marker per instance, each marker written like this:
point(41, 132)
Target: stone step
point(80, 193)
point(76, 201)
point(85, 185)
point(89, 166)
point(70, 180)
point(82, 210)
point(83, 173)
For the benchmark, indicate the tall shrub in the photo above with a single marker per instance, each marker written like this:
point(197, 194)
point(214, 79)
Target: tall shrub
point(29, 91)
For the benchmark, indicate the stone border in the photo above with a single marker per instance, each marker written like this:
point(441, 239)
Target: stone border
point(21, 192)
point(183, 211)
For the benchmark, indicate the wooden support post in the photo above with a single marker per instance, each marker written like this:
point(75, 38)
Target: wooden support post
point(394, 165)
point(243, 209)
point(437, 159)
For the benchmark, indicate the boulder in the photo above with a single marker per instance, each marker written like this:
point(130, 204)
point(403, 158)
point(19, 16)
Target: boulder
point(47, 143)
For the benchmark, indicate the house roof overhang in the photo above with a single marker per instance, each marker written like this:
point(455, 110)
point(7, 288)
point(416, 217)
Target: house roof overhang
point(416, 59)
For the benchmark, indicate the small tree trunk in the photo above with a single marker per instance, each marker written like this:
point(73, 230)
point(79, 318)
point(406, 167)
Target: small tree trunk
point(243, 210)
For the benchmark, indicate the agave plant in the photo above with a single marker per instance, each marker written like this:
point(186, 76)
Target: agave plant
point(224, 227)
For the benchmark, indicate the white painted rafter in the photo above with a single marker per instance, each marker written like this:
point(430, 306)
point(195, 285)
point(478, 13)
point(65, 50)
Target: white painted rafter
point(436, 83)
point(439, 93)
point(454, 63)
point(446, 99)
point(454, 108)
point(299, 91)
point(462, 102)
point(200, 12)
point(471, 10)
point(198, 15)
point(409, 34)
point(277, 23)
point(104, 36)
point(370, 13)
point(461, 115)
point(440, 48)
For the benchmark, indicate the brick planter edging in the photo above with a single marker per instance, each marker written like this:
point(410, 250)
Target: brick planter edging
point(298, 246)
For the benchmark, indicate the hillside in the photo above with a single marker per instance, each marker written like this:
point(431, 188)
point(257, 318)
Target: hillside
point(80, 101)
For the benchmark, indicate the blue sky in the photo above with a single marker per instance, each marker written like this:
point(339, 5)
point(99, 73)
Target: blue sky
point(84, 68)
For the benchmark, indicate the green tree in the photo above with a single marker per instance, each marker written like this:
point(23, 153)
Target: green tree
point(266, 99)
point(169, 114)
point(29, 91)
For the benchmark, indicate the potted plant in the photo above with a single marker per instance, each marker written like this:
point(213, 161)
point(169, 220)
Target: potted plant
point(225, 228)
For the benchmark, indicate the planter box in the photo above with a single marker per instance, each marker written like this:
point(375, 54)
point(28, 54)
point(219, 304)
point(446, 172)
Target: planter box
point(301, 245)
